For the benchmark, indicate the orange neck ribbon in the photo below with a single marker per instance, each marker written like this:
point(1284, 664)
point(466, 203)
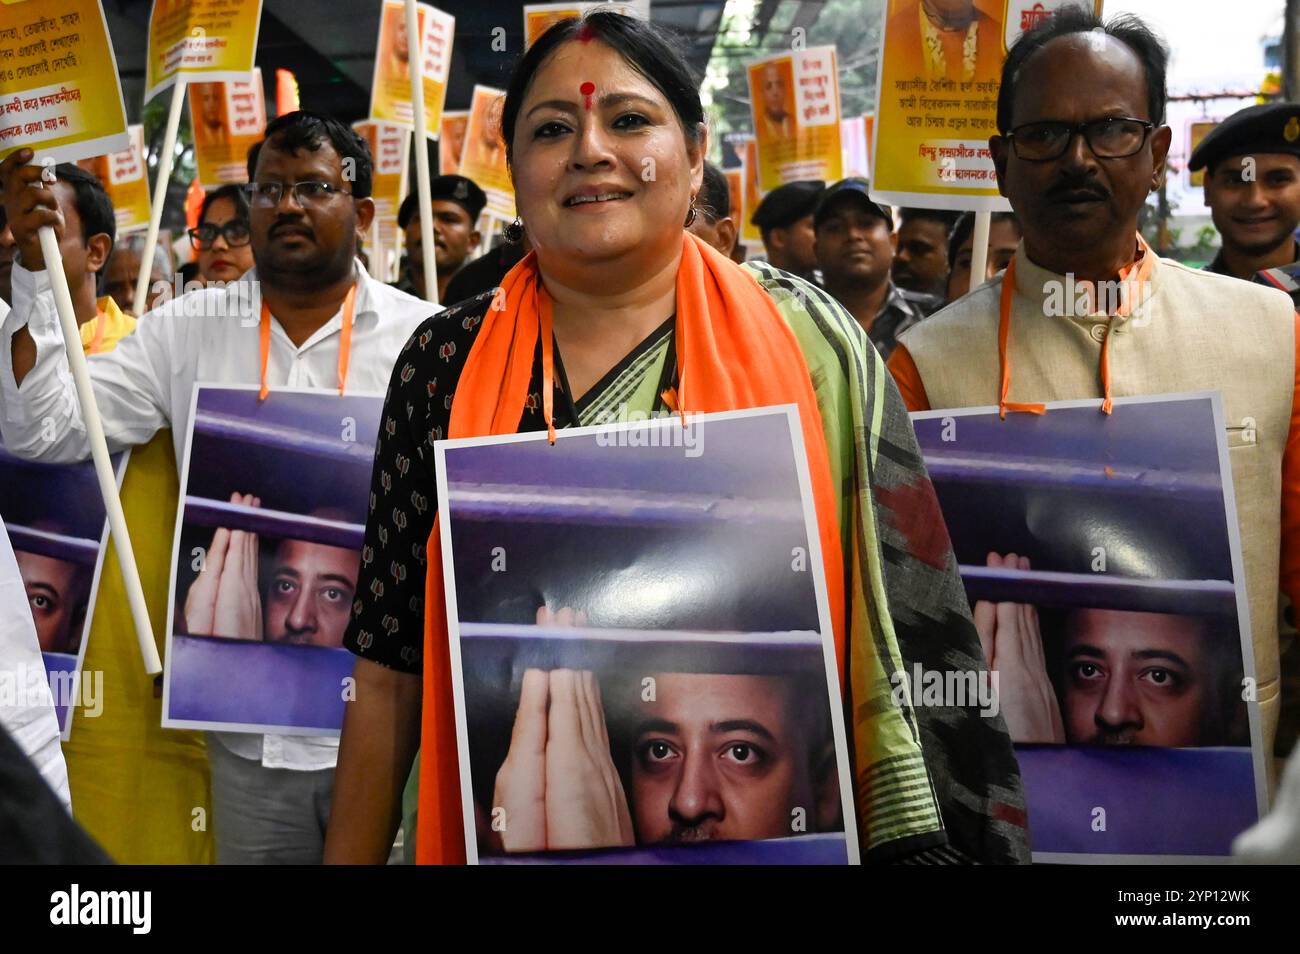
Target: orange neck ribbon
point(1133, 280)
point(345, 341)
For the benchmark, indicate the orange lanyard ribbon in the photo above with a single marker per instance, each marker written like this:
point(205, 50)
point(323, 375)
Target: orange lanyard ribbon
point(1134, 286)
point(345, 341)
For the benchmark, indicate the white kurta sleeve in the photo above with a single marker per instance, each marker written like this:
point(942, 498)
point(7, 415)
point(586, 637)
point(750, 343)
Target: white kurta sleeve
point(26, 704)
point(41, 419)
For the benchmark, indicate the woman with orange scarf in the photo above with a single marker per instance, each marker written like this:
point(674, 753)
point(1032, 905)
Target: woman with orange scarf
point(618, 307)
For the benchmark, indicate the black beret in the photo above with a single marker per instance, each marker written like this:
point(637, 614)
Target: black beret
point(787, 204)
point(853, 189)
point(1270, 128)
point(464, 192)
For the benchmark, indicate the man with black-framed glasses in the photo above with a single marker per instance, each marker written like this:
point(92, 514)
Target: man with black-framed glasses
point(1088, 311)
point(310, 181)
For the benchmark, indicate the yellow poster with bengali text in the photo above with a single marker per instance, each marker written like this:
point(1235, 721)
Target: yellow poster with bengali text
point(202, 40)
point(451, 141)
point(484, 156)
point(390, 89)
point(540, 17)
point(936, 102)
point(389, 147)
point(227, 119)
point(59, 90)
point(122, 175)
point(795, 107)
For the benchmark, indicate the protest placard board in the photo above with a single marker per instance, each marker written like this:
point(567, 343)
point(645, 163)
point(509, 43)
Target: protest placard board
point(795, 108)
point(649, 592)
point(1102, 557)
point(60, 94)
point(390, 90)
point(227, 119)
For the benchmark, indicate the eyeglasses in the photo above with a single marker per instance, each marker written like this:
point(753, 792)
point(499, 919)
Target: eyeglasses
point(266, 195)
point(235, 232)
point(1114, 138)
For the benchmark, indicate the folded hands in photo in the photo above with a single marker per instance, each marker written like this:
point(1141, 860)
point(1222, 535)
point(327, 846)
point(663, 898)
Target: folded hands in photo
point(1013, 646)
point(224, 600)
point(558, 786)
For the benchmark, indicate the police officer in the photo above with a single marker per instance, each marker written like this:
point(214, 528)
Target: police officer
point(1252, 186)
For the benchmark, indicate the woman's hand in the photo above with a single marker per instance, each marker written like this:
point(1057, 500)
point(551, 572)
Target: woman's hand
point(1013, 645)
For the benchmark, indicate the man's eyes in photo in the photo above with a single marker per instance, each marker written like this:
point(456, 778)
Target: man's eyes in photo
point(656, 753)
point(336, 594)
point(1083, 672)
point(284, 585)
point(1163, 678)
point(43, 599)
point(745, 755)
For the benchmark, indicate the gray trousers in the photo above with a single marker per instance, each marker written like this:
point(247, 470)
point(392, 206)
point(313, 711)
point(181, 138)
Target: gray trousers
point(267, 816)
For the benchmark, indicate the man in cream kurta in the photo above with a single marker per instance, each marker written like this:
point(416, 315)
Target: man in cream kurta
point(1247, 354)
point(1184, 331)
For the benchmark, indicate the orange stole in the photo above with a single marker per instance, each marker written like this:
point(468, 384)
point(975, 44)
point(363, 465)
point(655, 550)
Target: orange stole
point(734, 351)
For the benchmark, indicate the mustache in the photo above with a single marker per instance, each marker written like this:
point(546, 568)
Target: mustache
point(691, 834)
point(284, 224)
point(1113, 737)
point(1079, 185)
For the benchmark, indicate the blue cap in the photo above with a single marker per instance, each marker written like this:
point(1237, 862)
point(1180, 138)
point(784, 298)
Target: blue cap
point(850, 190)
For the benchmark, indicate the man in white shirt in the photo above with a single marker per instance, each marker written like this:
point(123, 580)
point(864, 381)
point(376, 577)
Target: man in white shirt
point(309, 190)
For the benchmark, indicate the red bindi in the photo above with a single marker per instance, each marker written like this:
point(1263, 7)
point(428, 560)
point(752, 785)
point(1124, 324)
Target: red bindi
point(586, 34)
point(586, 89)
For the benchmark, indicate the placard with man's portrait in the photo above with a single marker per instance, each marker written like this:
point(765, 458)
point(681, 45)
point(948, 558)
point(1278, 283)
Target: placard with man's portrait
point(268, 548)
point(642, 658)
point(795, 109)
point(227, 119)
point(58, 527)
point(1102, 557)
point(483, 152)
point(390, 85)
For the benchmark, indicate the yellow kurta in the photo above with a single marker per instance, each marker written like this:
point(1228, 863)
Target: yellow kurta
point(140, 790)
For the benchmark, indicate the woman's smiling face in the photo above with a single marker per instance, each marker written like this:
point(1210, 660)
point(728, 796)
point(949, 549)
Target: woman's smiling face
point(602, 167)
